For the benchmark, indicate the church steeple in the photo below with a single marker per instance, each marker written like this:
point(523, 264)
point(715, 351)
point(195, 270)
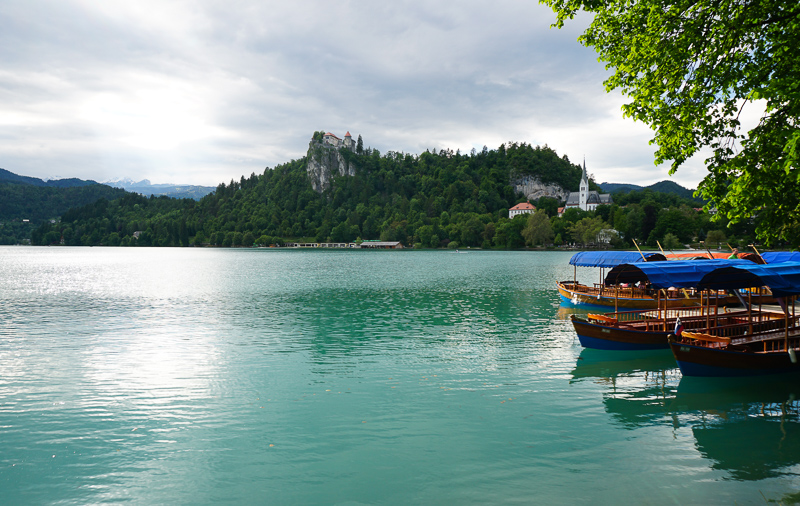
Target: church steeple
point(584, 188)
point(583, 174)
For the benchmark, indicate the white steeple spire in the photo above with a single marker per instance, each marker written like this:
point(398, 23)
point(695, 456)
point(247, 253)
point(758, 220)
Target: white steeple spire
point(584, 188)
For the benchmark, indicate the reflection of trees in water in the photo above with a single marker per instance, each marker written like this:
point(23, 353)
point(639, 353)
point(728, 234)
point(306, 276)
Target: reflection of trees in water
point(749, 428)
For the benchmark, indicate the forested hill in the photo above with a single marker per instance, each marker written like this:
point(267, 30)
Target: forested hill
point(430, 199)
point(25, 202)
point(9, 177)
point(30, 198)
point(666, 186)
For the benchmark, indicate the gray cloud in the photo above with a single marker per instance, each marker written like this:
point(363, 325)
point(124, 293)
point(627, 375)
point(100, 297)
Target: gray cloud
point(202, 92)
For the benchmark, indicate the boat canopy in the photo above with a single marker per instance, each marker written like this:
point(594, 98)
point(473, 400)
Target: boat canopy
point(612, 258)
point(699, 255)
point(782, 278)
point(774, 257)
point(676, 274)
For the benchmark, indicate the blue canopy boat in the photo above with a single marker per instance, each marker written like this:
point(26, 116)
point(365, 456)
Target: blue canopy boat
point(599, 294)
point(649, 329)
point(754, 345)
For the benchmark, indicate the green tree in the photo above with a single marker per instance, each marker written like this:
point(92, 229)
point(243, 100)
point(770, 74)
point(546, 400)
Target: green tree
point(508, 233)
point(671, 242)
point(585, 231)
point(715, 237)
point(248, 239)
point(548, 205)
point(471, 232)
point(538, 230)
point(690, 69)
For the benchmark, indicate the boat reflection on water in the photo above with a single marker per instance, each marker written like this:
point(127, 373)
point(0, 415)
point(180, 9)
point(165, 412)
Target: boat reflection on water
point(640, 383)
point(749, 428)
point(564, 312)
point(610, 364)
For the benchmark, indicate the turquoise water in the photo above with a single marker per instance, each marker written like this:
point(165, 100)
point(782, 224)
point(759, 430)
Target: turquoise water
point(204, 376)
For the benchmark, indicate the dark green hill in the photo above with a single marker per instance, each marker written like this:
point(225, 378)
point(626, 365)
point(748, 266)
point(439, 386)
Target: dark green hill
point(672, 187)
point(431, 199)
point(27, 202)
point(666, 186)
point(619, 187)
point(10, 177)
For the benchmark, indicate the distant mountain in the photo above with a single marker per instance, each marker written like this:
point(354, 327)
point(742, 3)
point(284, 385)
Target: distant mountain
point(146, 188)
point(619, 187)
point(665, 186)
point(10, 177)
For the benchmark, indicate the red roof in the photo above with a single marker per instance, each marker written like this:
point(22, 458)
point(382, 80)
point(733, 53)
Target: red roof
point(347, 134)
point(523, 206)
point(332, 135)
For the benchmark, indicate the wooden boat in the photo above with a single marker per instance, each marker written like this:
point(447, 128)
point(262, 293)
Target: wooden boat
point(649, 329)
point(746, 348)
point(632, 297)
point(578, 294)
point(610, 292)
point(750, 355)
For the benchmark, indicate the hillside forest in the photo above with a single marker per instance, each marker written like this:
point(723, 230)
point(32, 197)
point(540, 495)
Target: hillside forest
point(433, 200)
point(24, 206)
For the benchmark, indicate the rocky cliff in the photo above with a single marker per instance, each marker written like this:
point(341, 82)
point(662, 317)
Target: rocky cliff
point(533, 188)
point(325, 162)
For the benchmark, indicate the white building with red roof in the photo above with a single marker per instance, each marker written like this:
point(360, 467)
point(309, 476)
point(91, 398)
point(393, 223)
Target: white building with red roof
point(331, 139)
point(521, 208)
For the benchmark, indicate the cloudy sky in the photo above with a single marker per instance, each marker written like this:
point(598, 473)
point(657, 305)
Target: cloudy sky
point(200, 92)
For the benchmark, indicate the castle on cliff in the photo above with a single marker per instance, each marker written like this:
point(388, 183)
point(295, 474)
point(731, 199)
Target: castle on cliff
point(336, 142)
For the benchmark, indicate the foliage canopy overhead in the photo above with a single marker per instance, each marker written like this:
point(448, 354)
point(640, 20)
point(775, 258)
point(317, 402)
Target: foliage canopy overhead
point(690, 68)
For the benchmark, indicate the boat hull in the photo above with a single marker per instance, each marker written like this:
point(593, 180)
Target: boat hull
point(703, 361)
point(604, 337)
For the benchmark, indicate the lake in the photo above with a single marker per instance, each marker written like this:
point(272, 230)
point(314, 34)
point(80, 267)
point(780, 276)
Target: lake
point(265, 376)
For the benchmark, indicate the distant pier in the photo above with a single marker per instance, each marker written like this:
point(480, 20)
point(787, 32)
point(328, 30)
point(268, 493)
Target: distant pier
point(354, 245)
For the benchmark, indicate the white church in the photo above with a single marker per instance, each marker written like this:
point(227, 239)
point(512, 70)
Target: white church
point(585, 199)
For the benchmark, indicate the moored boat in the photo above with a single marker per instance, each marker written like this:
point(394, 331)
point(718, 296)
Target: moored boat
point(629, 294)
point(746, 349)
point(646, 330)
point(578, 294)
point(649, 329)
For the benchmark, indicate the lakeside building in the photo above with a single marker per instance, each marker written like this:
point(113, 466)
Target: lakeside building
point(521, 208)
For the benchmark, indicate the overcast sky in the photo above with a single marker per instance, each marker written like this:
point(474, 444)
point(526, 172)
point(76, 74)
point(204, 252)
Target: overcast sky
point(200, 92)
